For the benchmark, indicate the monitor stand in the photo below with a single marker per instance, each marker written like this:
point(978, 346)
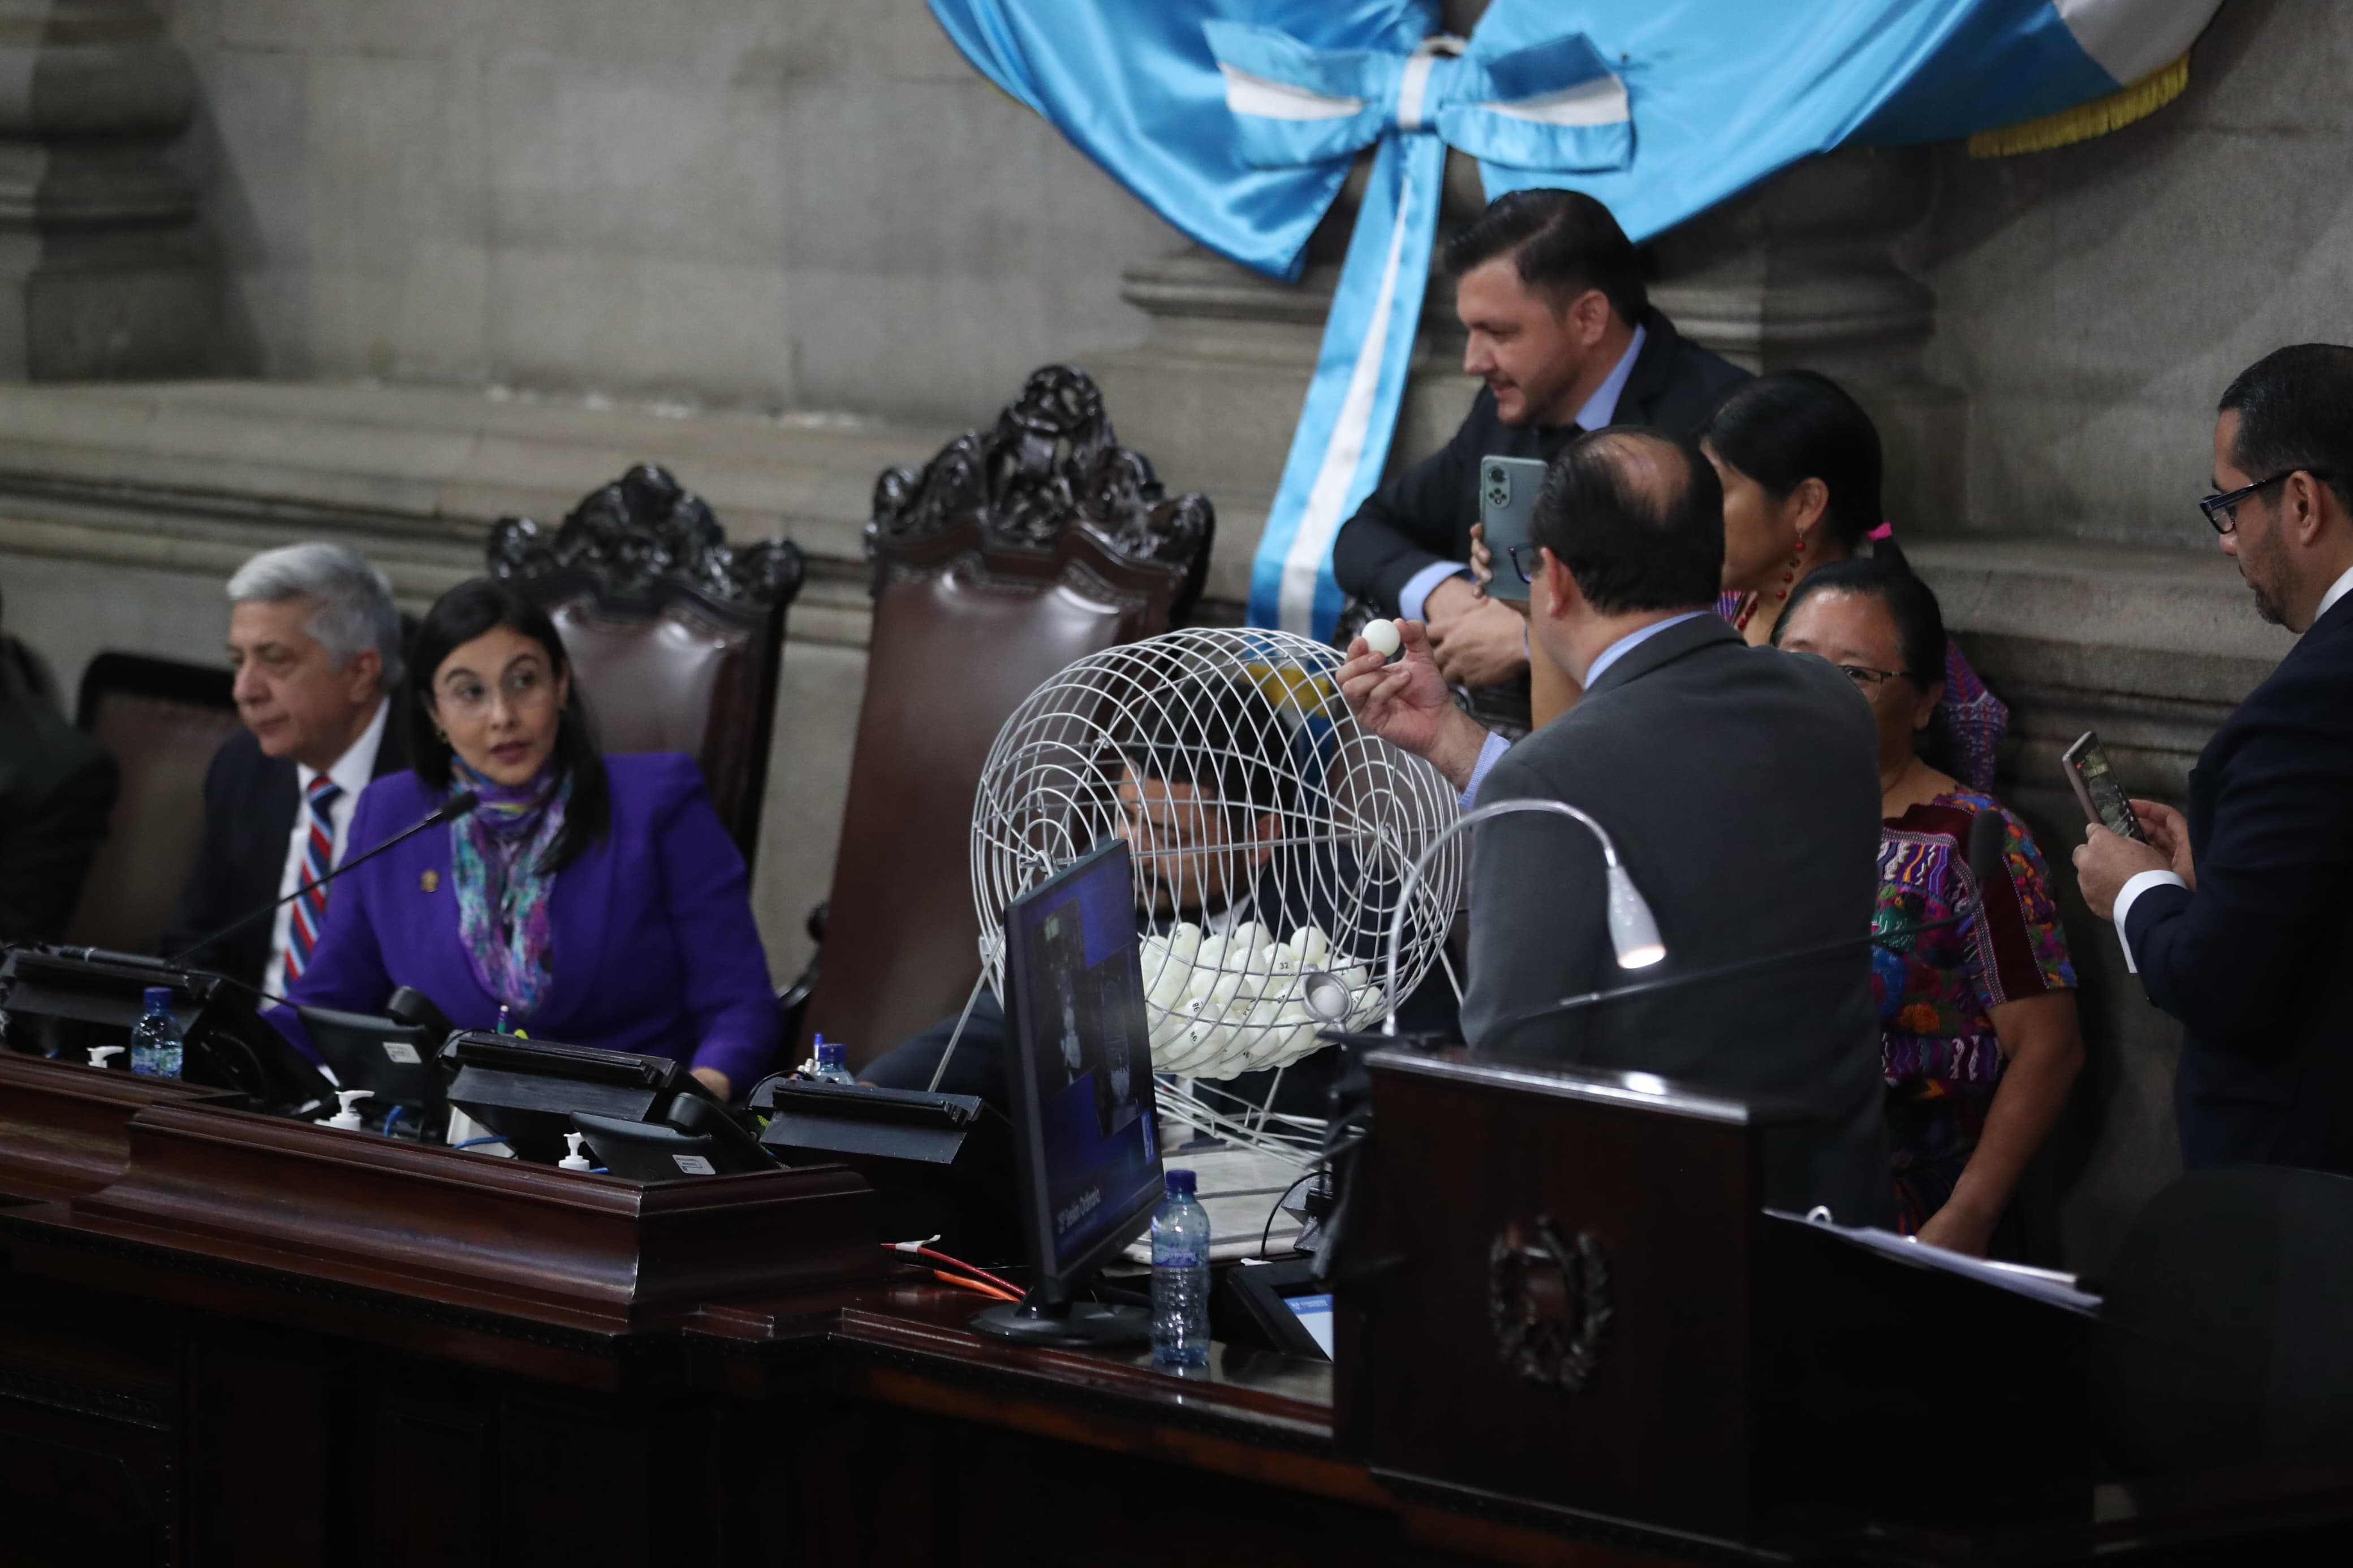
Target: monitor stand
point(1035, 1321)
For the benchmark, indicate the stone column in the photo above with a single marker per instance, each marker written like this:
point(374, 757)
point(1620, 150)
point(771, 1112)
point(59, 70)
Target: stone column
point(102, 268)
point(1803, 272)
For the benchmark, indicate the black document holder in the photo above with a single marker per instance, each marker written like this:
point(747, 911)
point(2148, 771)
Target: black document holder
point(942, 1162)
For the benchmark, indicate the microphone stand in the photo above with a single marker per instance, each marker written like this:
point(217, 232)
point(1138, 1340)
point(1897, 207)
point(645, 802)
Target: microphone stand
point(456, 806)
point(1984, 858)
point(1633, 930)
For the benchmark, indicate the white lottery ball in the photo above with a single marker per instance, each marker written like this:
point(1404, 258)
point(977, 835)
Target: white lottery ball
point(1383, 637)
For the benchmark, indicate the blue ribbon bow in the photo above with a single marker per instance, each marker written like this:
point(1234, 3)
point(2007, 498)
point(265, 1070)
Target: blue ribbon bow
point(1217, 114)
point(1552, 105)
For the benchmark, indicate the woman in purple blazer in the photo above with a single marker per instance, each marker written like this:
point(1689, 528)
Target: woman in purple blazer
point(597, 900)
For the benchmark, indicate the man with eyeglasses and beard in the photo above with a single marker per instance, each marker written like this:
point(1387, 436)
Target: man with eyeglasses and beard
point(1204, 819)
point(2234, 914)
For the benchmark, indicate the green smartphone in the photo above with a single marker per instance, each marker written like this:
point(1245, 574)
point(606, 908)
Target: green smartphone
point(1507, 504)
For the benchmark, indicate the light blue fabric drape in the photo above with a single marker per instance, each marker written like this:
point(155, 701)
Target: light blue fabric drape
point(1237, 119)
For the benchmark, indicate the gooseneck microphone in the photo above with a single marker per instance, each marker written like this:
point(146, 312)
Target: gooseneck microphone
point(1985, 845)
point(456, 806)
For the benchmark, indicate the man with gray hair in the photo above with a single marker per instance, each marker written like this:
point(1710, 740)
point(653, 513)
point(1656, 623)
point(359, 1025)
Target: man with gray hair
point(316, 645)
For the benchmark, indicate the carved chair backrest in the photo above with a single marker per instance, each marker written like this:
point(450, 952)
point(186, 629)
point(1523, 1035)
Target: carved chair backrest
point(1009, 555)
point(674, 637)
point(163, 719)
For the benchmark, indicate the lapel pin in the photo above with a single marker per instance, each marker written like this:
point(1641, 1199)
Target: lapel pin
point(430, 882)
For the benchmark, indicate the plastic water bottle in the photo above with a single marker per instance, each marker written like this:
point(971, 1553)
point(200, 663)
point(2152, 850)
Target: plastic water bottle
point(831, 1064)
point(1180, 1277)
point(156, 1039)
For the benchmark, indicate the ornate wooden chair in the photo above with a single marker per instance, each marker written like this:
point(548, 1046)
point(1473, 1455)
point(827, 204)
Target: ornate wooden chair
point(1009, 555)
point(675, 637)
point(163, 719)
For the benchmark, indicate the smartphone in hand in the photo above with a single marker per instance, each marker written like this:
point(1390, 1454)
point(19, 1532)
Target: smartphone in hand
point(2095, 783)
point(1507, 501)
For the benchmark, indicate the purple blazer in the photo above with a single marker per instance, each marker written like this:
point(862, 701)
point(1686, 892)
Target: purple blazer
point(652, 940)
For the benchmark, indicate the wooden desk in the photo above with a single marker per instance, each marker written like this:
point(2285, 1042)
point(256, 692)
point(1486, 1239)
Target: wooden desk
point(225, 1340)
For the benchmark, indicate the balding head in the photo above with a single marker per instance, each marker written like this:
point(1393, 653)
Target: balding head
point(1638, 519)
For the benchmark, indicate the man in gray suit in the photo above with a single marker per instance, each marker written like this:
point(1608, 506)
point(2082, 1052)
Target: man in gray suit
point(1740, 787)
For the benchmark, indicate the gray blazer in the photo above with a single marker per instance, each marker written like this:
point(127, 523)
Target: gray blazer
point(1741, 786)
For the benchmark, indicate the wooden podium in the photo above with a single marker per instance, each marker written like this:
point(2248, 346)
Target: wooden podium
point(1567, 1338)
point(1559, 1289)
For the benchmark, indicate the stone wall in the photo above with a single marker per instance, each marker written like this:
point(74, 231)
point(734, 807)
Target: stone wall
point(783, 205)
point(2093, 301)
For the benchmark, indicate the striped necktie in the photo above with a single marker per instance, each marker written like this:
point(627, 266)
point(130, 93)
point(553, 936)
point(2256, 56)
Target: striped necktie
point(318, 858)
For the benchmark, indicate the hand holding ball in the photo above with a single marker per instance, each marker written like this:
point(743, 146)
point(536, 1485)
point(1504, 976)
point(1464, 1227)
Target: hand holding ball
point(1383, 637)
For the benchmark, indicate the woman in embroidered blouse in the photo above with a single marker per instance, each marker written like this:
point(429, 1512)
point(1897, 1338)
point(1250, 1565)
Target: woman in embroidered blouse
point(1980, 1041)
point(592, 899)
point(1801, 464)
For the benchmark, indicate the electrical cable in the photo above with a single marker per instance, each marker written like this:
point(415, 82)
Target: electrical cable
point(470, 1142)
point(961, 1283)
point(1267, 1235)
point(389, 1118)
point(923, 1250)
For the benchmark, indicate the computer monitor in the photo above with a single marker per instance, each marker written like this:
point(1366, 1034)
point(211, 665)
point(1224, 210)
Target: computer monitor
point(525, 1090)
point(1079, 1078)
point(397, 1063)
point(1281, 1306)
point(61, 1001)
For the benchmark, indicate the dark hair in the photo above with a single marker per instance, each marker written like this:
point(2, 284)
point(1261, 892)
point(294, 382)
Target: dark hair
point(1564, 242)
point(456, 618)
point(1212, 736)
point(2295, 411)
point(1793, 426)
point(1632, 541)
point(1919, 630)
point(1911, 605)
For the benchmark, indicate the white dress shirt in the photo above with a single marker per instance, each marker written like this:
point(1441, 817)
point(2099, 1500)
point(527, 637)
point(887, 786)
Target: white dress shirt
point(1598, 411)
point(2140, 882)
point(350, 772)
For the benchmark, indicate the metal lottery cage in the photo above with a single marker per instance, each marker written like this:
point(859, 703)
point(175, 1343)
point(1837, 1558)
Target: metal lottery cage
point(1270, 833)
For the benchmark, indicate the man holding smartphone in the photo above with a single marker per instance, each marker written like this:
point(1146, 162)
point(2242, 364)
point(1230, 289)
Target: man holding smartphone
point(2234, 915)
point(1561, 332)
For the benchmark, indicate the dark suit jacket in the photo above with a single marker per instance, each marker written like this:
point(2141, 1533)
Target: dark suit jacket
point(56, 795)
point(1741, 787)
point(249, 805)
point(1425, 514)
point(2254, 963)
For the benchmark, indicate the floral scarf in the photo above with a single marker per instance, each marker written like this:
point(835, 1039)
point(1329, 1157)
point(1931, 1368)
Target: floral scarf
point(496, 852)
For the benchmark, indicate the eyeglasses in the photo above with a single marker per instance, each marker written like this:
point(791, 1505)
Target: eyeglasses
point(2222, 511)
point(1534, 561)
point(525, 689)
point(1871, 679)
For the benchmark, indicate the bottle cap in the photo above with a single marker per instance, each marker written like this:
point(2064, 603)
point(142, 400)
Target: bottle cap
point(345, 1117)
point(159, 998)
point(573, 1160)
point(832, 1053)
point(98, 1054)
point(1181, 1182)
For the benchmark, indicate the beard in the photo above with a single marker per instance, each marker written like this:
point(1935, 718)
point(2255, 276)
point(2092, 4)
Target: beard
point(2263, 569)
point(2266, 606)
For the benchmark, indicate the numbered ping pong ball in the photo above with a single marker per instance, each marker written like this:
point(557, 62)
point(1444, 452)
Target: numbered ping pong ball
point(1383, 637)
